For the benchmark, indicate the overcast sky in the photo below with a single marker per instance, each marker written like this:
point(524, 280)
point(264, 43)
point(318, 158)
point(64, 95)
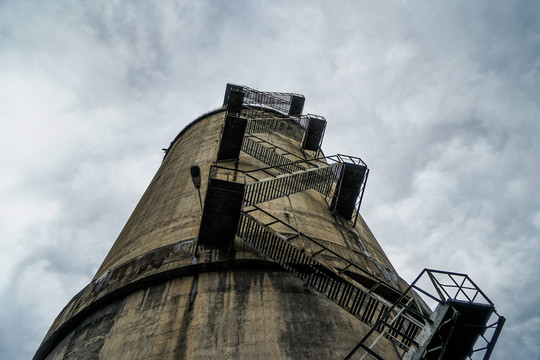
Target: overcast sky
point(439, 98)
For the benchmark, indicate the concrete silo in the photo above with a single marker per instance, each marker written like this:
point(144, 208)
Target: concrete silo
point(248, 244)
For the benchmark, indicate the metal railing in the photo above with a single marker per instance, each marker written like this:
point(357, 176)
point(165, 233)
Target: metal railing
point(285, 126)
point(269, 154)
point(327, 278)
point(274, 100)
point(445, 286)
point(322, 176)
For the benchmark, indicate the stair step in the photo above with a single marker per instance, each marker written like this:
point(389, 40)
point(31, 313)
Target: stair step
point(270, 157)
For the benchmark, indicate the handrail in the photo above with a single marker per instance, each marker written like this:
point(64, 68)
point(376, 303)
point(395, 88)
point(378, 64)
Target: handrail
point(355, 298)
point(460, 284)
point(275, 220)
point(274, 100)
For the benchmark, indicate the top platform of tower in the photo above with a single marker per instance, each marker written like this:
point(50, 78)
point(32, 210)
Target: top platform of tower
point(236, 96)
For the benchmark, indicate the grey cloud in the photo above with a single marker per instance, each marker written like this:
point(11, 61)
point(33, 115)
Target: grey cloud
point(439, 99)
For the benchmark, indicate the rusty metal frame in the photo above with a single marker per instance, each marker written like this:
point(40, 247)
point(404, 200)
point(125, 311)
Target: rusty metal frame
point(303, 121)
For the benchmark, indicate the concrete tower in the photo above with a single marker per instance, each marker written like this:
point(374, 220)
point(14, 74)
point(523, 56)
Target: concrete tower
point(248, 244)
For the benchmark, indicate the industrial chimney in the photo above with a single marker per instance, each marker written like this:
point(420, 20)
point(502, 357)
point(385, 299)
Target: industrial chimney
point(249, 244)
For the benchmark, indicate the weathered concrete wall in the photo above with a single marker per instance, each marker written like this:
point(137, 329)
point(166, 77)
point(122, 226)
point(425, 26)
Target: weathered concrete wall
point(161, 306)
point(229, 313)
point(151, 300)
point(169, 210)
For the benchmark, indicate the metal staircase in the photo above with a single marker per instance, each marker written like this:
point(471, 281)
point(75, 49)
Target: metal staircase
point(407, 322)
point(272, 155)
point(350, 177)
point(263, 122)
point(322, 180)
point(230, 189)
point(462, 319)
point(303, 256)
point(464, 324)
point(237, 96)
point(340, 178)
point(307, 129)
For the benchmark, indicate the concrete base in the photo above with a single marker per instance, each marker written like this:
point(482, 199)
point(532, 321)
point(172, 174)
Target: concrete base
point(226, 314)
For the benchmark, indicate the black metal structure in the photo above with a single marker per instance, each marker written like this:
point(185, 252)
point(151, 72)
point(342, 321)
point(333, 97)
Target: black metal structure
point(316, 125)
point(286, 103)
point(464, 322)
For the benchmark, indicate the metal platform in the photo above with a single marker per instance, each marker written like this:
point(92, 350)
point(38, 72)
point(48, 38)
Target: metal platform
point(297, 105)
point(464, 325)
point(286, 103)
point(468, 327)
